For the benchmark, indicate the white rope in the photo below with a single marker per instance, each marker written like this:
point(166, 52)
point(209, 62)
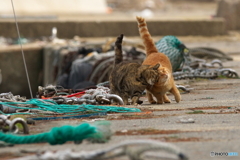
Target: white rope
point(20, 42)
point(127, 148)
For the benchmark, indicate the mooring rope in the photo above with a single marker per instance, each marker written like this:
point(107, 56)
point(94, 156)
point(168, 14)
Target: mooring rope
point(60, 135)
point(133, 149)
point(20, 42)
point(49, 105)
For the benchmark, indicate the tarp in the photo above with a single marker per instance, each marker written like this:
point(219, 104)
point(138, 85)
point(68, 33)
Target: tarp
point(53, 7)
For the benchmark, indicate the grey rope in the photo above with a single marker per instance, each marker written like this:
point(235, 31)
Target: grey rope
point(20, 42)
point(128, 148)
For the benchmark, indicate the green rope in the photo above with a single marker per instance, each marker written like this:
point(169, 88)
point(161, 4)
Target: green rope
point(58, 135)
point(48, 105)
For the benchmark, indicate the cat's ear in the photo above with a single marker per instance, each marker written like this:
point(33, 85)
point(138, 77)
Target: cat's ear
point(156, 66)
point(139, 72)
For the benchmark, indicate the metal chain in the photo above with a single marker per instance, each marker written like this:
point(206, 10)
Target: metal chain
point(9, 97)
point(100, 95)
point(199, 68)
point(8, 125)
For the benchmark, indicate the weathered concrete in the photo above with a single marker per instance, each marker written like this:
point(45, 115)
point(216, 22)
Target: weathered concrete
point(13, 72)
point(229, 10)
point(105, 28)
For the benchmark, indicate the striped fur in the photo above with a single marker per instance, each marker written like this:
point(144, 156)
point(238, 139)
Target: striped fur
point(146, 36)
point(129, 79)
point(166, 82)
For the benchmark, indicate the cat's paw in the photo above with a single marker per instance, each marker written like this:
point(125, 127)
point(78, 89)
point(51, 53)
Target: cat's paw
point(140, 102)
point(167, 101)
point(159, 102)
point(136, 104)
point(178, 98)
point(152, 102)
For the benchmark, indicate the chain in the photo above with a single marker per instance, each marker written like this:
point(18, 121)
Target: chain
point(8, 125)
point(99, 95)
point(199, 68)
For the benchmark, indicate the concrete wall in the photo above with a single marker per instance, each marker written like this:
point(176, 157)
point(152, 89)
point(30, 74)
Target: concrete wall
point(13, 72)
point(230, 11)
point(68, 29)
point(53, 7)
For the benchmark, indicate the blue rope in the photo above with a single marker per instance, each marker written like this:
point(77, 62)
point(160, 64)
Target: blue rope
point(49, 105)
point(68, 117)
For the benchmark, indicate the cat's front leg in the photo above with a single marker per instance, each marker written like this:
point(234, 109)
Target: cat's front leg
point(159, 97)
point(150, 98)
point(125, 99)
point(166, 99)
point(135, 100)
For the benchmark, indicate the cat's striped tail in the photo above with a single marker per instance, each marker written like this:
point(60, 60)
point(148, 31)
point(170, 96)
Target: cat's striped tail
point(146, 36)
point(118, 50)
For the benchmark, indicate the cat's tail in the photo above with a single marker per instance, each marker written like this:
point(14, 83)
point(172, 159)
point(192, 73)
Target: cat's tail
point(146, 36)
point(118, 50)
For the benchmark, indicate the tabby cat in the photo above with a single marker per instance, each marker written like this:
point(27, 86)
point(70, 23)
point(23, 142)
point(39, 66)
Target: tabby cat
point(129, 79)
point(166, 81)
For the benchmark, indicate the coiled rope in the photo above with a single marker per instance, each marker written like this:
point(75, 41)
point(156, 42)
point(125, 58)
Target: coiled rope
point(58, 135)
point(133, 149)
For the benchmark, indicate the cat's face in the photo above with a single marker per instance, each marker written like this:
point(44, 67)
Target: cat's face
point(152, 77)
point(149, 75)
point(163, 74)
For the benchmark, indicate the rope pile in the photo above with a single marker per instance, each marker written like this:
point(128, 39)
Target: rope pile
point(60, 135)
point(133, 149)
point(49, 105)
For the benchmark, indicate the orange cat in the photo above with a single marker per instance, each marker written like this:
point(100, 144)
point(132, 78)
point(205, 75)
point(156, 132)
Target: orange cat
point(166, 81)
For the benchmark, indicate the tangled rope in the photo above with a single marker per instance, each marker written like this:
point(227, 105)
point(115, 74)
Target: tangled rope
point(60, 135)
point(49, 105)
point(133, 149)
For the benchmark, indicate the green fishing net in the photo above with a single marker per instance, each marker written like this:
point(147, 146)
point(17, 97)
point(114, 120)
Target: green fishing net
point(174, 49)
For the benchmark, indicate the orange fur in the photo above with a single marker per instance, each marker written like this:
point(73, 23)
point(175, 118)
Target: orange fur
point(166, 81)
